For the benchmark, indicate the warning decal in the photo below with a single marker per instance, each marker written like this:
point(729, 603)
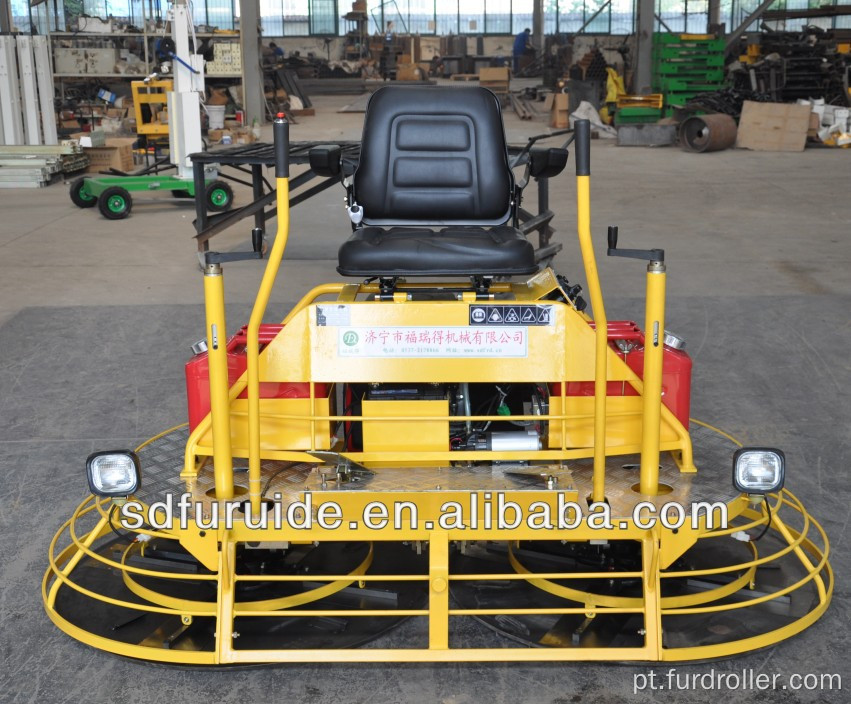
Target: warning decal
point(510, 315)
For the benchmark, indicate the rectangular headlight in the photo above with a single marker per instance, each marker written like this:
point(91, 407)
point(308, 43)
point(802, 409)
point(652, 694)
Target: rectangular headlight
point(759, 470)
point(113, 473)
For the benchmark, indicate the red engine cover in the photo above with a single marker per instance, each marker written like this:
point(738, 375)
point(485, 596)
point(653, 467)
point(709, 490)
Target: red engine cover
point(676, 371)
point(198, 375)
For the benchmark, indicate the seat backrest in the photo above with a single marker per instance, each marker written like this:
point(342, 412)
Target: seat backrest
point(433, 156)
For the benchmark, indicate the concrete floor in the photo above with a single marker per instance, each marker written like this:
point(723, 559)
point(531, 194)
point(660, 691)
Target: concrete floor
point(96, 318)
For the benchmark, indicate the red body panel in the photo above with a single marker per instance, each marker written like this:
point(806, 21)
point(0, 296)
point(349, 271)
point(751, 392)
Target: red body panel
point(676, 372)
point(198, 376)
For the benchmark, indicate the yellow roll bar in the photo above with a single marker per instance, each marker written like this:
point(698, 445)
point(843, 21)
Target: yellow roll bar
point(582, 130)
point(281, 130)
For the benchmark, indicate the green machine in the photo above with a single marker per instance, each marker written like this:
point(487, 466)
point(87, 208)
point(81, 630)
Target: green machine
point(111, 192)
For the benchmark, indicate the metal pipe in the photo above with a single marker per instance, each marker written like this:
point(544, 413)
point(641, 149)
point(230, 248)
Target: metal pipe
point(654, 332)
point(734, 36)
point(583, 226)
point(592, 17)
point(282, 183)
point(662, 22)
point(214, 303)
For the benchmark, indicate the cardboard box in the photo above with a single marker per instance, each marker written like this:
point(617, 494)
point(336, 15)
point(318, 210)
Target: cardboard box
point(812, 130)
point(217, 97)
point(499, 73)
point(117, 154)
point(495, 79)
point(410, 72)
point(773, 127)
point(95, 138)
point(215, 136)
point(558, 111)
point(279, 95)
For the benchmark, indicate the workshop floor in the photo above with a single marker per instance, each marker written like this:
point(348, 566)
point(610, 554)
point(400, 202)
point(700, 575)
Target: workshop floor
point(96, 319)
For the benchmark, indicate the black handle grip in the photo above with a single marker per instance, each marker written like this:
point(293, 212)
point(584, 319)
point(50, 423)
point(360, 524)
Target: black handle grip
point(613, 236)
point(281, 131)
point(582, 152)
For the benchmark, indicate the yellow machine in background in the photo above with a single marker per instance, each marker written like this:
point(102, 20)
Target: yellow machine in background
point(154, 94)
point(415, 395)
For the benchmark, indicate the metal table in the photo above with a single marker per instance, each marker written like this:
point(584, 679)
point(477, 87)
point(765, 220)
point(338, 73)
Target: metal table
point(250, 159)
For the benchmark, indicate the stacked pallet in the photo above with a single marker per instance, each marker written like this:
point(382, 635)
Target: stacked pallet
point(30, 166)
point(685, 65)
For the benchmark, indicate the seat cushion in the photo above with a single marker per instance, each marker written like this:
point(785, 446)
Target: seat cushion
point(453, 251)
point(433, 156)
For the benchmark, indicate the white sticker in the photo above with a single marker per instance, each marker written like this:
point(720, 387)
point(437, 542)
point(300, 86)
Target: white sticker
point(333, 315)
point(441, 341)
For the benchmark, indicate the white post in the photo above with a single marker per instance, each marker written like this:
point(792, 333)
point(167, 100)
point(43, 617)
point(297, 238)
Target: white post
point(184, 108)
point(11, 123)
point(29, 93)
point(45, 90)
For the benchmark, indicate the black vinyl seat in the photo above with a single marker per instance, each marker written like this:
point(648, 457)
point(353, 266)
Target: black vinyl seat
point(435, 188)
point(452, 251)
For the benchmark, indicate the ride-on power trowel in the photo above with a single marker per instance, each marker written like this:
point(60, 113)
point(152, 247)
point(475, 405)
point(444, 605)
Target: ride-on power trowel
point(446, 436)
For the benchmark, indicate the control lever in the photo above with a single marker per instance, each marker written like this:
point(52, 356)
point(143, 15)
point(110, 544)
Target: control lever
point(256, 253)
point(652, 255)
point(257, 240)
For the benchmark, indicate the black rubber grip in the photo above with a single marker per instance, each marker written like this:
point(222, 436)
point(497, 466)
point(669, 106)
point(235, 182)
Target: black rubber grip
point(281, 130)
point(582, 152)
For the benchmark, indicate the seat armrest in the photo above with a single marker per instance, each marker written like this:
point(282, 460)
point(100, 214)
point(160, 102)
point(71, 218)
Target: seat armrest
point(325, 160)
point(547, 162)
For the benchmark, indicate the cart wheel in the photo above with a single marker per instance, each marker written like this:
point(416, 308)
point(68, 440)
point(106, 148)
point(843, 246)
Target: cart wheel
point(181, 194)
point(219, 196)
point(115, 203)
point(80, 198)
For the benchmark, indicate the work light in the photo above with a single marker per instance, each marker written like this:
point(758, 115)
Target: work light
point(113, 472)
point(758, 470)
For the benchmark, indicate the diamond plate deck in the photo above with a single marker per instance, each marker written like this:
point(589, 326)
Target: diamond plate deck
point(162, 462)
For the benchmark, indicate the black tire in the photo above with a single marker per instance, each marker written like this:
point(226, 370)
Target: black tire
point(219, 196)
point(181, 194)
point(80, 199)
point(115, 203)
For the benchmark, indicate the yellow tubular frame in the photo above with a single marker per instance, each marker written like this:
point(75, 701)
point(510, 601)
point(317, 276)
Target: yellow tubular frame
point(253, 344)
point(654, 343)
point(796, 545)
point(217, 354)
point(592, 277)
